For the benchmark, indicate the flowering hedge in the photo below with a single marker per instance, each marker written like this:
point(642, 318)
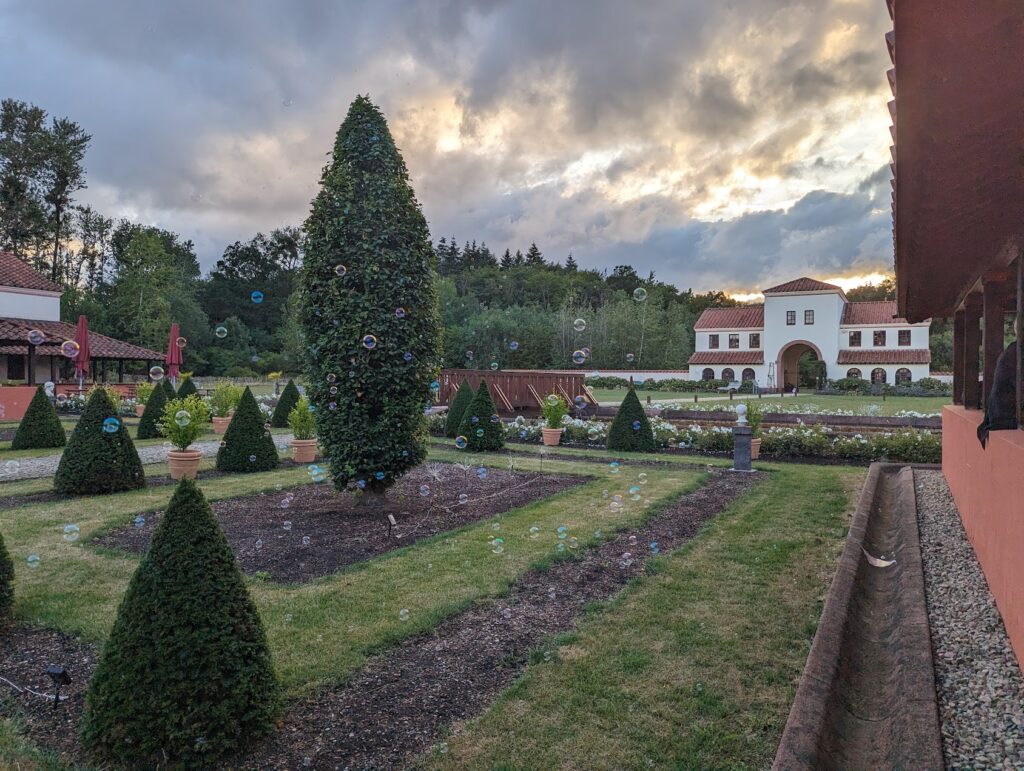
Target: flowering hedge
point(781, 406)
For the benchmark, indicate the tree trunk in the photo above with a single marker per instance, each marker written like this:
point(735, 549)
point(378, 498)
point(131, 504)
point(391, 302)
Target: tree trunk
point(56, 243)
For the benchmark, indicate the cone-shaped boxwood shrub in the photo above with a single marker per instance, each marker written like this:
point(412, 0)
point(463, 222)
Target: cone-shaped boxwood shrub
point(168, 387)
point(100, 456)
point(369, 311)
point(187, 388)
point(289, 398)
point(149, 423)
point(186, 675)
point(6, 580)
point(631, 430)
point(457, 409)
point(481, 425)
point(40, 427)
point(247, 446)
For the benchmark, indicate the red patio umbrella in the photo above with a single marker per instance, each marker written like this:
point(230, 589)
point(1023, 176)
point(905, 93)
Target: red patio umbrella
point(82, 358)
point(174, 357)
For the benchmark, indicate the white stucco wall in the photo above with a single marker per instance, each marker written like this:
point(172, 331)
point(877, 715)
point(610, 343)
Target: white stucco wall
point(20, 304)
point(828, 312)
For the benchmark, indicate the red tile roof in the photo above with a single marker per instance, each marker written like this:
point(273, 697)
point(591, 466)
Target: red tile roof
point(15, 273)
point(885, 356)
point(803, 284)
point(867, 313)
point(747, 317)
point(14, 339)
point(727, 357)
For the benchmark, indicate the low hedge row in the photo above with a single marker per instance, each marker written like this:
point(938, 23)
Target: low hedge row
point(674, 385)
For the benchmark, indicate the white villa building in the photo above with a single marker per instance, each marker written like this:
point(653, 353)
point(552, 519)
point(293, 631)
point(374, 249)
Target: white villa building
point(764, 342)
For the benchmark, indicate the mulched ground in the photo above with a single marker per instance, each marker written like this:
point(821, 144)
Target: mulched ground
point(402, 703)
point(305, 532)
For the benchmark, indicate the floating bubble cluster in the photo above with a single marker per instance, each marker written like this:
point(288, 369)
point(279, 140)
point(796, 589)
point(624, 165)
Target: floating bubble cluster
point(578, 357)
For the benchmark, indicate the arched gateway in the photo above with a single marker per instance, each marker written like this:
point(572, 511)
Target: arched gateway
point(788, 363)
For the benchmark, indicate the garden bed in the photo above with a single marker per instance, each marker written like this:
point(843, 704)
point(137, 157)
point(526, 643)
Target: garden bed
point(327, 531)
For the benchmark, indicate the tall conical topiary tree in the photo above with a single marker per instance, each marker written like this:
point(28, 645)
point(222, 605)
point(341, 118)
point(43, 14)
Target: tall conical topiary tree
point(149, 423)
point(631, 430)
point(168, 387)
point(6, 580)
point(463, 398)
point(100, 456)
point(289, 398)
point(370, 309)
point(186, 388)
point(481, 425)
point(40, 427)
point(247, 445)
point(185, 676)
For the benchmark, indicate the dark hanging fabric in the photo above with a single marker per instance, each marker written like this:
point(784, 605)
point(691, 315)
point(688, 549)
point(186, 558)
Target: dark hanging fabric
point(1001, 407)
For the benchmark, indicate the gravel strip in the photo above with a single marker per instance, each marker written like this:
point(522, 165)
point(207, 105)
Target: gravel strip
point(46, 465)
point(980, 686)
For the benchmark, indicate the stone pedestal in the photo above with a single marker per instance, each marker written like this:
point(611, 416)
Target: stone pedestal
point(741, 436)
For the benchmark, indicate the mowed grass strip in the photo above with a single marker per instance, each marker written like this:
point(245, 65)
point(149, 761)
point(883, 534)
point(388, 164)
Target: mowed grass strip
point(322, 631)
point(694, 665)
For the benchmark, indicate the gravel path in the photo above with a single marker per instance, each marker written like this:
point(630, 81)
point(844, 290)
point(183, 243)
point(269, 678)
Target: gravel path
point(46, 465)
point(980, 686)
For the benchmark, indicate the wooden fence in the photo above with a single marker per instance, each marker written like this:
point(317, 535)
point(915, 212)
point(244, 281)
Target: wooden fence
point(518, 390)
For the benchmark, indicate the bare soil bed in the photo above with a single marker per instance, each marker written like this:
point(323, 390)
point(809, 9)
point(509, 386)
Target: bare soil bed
point(305, 532)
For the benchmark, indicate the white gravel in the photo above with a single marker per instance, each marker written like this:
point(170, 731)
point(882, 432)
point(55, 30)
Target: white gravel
point(46, 465)
point(980, 685)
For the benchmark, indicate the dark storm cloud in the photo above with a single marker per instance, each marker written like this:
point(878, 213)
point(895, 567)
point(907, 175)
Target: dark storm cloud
point(214, 119)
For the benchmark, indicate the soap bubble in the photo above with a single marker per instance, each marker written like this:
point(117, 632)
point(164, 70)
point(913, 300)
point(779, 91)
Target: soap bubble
point(498, 545)
point(70, 348)
point(495, 419)
point(639, 294)
point(507, 613)
point(71, 533)
point(182, 418)
point(625, 560)
point(316, 473)
point(632, 540)
point(111, 424)
point(33, 560)
point(369, 342)
point(474, 420)
point(481, 473)
point(642, 477)
point(513, 345)
point(61, 399)
point(258, 544)
point(331, 377)
point(424, 490)
point(403, 614)
point(630, 358)
point(181, 342)
point(461, 442)
point(156, 372)
point(378, 475)
point(252, 458)
point(534, 531)
point(340, 270)
point(597, 535)
point(560, 548)
point(494, 365)
point(552, 399)
point(139, 521)
point(579, 325)
point(305, 540)
point(573, 543)
point(562, 531)
point(636, 425)
point(256, 296)
point(463, 498)
point(407, 356)
point(11, 466)
point(221, 331)
point(634, 490)
point(35, 337)
point(614, 466)
point(551, 592)
point(287, 524)
point(593, 434)
point(654, 548)
point(479, 432)
point(578, 357)
point(400, 313)
point(469, 355)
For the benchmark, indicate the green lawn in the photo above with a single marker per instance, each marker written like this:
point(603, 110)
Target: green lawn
point(694, 665)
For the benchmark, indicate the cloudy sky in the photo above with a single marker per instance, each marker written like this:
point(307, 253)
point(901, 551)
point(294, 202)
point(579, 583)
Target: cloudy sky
point(721, 143)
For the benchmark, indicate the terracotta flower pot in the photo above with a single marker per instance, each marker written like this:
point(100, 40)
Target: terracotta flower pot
point(305, 450)
point(220, 425)
point(755, 449)
point(139, 409)
point(184, 463)
point(552, 436)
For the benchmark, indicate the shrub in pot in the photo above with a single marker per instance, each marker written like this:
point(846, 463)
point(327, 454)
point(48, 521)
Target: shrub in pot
point(285, 405)
point(40, 427)
point(555, 408)
point(182, 423)
point(303, 426)
point(754, 417)
point(481, 427)
point(631, 429)
point(100, 456)
point(223, 401)
point(142, 393)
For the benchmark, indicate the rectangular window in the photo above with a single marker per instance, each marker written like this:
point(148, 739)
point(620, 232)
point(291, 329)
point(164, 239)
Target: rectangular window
point(790, 318)
point(879, 338)
point(755, 339)
point(734, 341)
point(712, 341)
point(904, 337)
point(855, 339)
point(808, 317)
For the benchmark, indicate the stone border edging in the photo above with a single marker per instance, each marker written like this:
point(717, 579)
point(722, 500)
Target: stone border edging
point(867, 695)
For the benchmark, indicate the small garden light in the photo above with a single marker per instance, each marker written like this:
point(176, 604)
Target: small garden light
point(60, 677)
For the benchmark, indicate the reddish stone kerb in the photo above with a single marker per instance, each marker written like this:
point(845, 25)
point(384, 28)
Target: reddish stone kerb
point(988, 487)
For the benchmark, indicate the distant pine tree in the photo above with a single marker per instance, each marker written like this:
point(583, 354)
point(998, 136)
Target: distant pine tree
point(289, 398)
point(631, 430)
point(187, 388)
point(150, 421)
point(570, 264)
point(457, 409)
point(534, 258)
point(506, 261)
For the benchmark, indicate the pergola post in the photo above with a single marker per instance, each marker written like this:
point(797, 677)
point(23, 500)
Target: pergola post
point(995, 312)
point(972, 346)
point(958, 357)
point(120, 370)
point(30, 363)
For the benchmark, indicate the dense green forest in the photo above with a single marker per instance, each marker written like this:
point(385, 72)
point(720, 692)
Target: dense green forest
point(519, 309)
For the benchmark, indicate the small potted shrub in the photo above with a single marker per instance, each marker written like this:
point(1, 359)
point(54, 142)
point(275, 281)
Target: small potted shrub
point(223, 401)
point(142, 393)
point(754, 417)
point(304, 430)
point(182, 423)
point(555, 408)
